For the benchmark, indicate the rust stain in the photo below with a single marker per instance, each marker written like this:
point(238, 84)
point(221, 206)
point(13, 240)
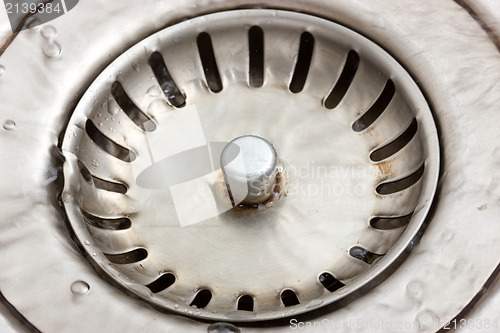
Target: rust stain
point(385, 167)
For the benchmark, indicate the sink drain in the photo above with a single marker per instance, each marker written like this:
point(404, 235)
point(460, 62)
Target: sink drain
point(147, 198)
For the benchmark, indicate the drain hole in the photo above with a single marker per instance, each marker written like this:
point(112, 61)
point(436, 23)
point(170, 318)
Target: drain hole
point(132, 111)
point(87, 176)
point(202, 299)
point(107, 144)
point(245, 303)
point(344, 81)
point(109, 186)
point(389, 223)
point(162, 283)
point(107, 224)
point(329, 282)
point(128, 257)
point(400, 184)
point(303, 62)
point(170, 89)
point(363, 255)
point(256, 49)
point(376, 109)
point(289, 298)
point(208, 62)
point(396, 145)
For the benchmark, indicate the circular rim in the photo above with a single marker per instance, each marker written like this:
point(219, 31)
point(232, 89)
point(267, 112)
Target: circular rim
point(431, 175)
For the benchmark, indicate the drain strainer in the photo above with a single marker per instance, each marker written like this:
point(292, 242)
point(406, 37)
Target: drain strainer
point(356, 165)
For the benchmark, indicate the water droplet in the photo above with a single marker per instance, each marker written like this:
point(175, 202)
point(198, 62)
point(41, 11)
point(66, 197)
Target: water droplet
point(49, 32)
point(86, 242)
point(113, 107)
point(426, 320)
point(222, 328)
point(176, 306)
point(415, 289)
point(52, 49)
point(95, 163)
point(9, 124)
point(2, 70)
point(154, 91)
point(447, 236)
point(32, 22)
point(94, 254)
point(80, 288)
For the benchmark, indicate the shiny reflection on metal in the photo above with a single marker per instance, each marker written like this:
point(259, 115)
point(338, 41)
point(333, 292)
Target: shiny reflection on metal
point(255, 176)
point(330, 192)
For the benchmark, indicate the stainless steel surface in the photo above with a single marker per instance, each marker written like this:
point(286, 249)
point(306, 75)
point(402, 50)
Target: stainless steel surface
point(445, 270)
point(249, 165)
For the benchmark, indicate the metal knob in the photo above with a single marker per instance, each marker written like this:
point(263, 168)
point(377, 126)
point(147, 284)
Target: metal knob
point(249, 166)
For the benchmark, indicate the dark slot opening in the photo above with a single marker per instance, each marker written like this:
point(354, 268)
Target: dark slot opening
point(377, 108)
point(400, 184)
point(389, 223)
point(107, 144)
point(344, 81)
point(208, 62)
point(162, 283)
point(121, 223)
point(87, 176)
point(329, 282)
point(364, 255)
point(132, 111)
point(396, 145)
point(109, 186)
point(245, 303)
point(128, 257)
point(289, 298)
point(167, 84)
point(202, 299)
point(303, 62)
point(256, 49)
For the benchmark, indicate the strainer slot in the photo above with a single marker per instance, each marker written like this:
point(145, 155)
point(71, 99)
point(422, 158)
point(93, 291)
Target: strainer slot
point(130, 109)
point(289, 298)
point(167, 84)
point(87, 176)
point(330, 282)
point(207, 57)
point(390, 222)
point(376, 109)
point(162, 283)
point(400, 184)
point(109, 186)
point(245, 303)
point(304, 58)
point(344, 82)
point(256, 54)
point(396, 145)
point(202, 298)
point(364, 255)
point(128, 257)
point(121, 223)
point(107, 144)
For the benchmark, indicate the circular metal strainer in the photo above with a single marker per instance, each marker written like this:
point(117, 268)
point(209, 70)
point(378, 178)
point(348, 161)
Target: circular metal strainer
point(144, 191)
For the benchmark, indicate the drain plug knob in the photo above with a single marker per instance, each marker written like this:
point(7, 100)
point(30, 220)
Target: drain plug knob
point(249, 167)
